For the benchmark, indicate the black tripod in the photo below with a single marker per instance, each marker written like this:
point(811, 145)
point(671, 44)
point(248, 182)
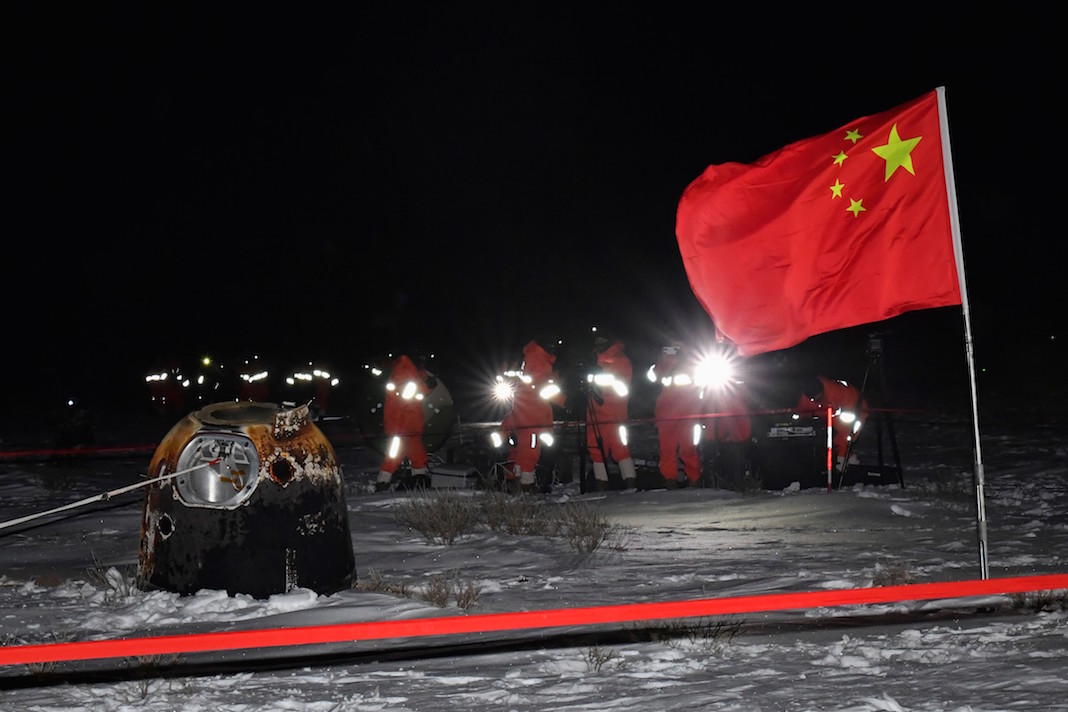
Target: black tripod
point(875, 383)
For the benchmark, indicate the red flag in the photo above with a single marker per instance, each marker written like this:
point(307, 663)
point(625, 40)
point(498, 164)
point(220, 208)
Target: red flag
point(842, 229)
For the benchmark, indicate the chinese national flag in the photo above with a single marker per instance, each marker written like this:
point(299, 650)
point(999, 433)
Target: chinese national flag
point(833, 231)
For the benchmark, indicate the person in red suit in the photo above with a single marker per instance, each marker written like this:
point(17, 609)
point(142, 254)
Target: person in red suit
point(403, 420)
point(606, 416)
point(727, 431)
point(529, 424)
point(678, 431)
point(849, 410)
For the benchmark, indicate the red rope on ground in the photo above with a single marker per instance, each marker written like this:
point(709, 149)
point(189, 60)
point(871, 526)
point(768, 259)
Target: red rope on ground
point(454, 625)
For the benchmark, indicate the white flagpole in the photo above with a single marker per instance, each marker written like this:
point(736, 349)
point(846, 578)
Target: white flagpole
point(958, 252)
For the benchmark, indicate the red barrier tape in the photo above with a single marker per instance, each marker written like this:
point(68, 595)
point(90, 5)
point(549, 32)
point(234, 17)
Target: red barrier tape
point(75, 452)
point(452, 625)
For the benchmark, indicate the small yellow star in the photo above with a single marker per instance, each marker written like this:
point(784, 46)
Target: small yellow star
point(840, 158)
point(855, 206)
point(897, 153)
point(836, 189)
point(853, 135)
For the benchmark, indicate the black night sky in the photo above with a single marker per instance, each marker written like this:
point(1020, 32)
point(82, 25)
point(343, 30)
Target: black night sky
point(333, 185)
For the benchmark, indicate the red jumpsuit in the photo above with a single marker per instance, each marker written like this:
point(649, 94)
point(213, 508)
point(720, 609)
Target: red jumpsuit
point(403, 418)
point(606, 418)
point(732, 415)
point(674, 417)
point(841, 398)
point(532, 410)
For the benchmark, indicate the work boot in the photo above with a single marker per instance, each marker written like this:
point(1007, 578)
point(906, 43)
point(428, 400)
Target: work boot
point(626, 469)
point(601, 485)
point(384, 481)
point(671, 483)
point(526, 489)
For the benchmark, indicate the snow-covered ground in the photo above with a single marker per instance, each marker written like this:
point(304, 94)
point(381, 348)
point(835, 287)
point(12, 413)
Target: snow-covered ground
point(66, 577)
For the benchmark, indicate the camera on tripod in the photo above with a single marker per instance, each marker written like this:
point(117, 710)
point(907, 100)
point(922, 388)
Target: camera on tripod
point(875, 345)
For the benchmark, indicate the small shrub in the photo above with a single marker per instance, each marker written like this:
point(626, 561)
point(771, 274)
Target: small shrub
point(436, 591)
point(439, 589)
point(893, 574)
point(709, 633)
point(597, 657)
point(467, 593)
point(517, 514)
point(585, 528)
point(118, 584)
point(440, 516)
point(1041, 601)
point(374, 582)
point(46, 667)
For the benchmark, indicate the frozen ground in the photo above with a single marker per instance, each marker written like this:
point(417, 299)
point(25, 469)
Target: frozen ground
point(975, 654)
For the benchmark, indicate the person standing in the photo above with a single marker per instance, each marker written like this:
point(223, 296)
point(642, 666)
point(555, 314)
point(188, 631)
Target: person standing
point(727, 432)
point(403, 420)
point(607, 416)
point(529, 424)
point(674, 415)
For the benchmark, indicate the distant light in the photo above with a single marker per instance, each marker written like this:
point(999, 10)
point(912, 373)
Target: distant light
point(550, 391)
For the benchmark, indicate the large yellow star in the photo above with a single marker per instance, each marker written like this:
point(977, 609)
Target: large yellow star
point(897, 153)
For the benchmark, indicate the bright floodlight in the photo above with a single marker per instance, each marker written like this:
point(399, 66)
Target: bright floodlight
point(503, 391)
point(714, 370)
